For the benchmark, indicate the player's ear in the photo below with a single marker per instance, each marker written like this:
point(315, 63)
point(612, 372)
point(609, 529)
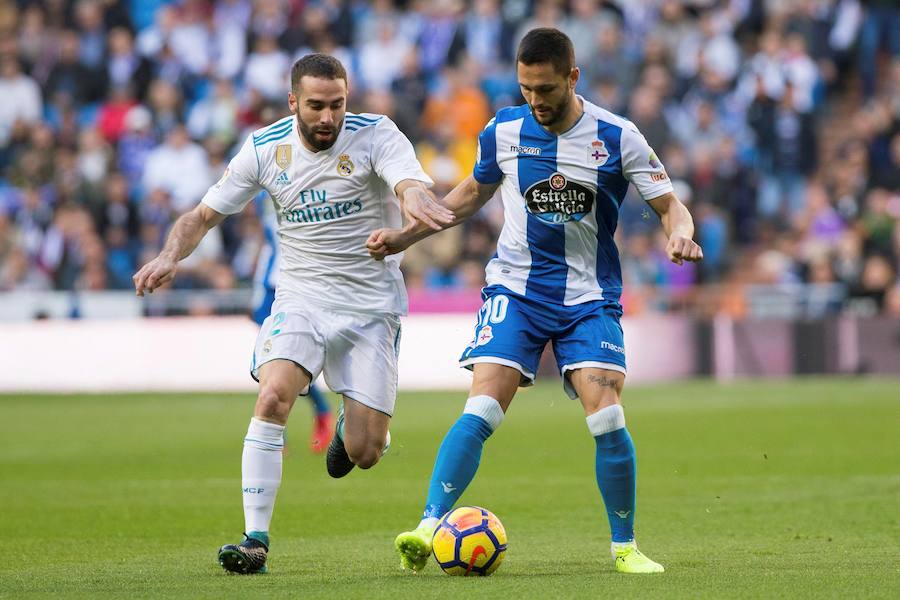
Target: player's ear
point(574, 74)
point(292, 101)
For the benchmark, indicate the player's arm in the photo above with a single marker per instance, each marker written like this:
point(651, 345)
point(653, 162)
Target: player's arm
point(462, 202)
point(679, 227)
point(183, 239)
point(643, 169)
point(394, 160)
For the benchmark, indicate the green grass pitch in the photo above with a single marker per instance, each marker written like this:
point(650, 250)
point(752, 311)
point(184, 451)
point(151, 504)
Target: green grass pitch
point(756, 490)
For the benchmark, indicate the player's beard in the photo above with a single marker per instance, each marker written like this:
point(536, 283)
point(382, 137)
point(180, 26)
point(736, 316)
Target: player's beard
point(309, 134)
point(556, 112)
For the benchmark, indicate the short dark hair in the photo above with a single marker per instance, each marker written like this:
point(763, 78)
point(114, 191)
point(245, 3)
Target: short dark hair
point(547, 45)
point(322, 66)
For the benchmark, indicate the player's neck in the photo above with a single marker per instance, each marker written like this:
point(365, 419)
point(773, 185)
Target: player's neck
point(574, 112)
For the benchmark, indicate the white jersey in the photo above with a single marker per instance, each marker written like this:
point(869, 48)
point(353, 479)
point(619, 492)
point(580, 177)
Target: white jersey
point(327, 203)
point(561, 196)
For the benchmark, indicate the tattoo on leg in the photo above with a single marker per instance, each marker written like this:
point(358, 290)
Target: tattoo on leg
point(603, 381)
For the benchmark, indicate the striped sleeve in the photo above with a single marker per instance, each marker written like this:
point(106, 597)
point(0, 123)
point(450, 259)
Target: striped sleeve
point(641, 166)
point(486, 168)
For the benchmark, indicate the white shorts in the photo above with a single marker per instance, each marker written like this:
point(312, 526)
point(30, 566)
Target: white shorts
point(356, 353)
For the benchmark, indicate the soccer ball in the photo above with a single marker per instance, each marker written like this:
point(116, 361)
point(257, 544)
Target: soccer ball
point(469, 540)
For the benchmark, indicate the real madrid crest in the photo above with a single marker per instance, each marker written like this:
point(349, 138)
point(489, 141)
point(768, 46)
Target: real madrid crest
point(345, 165)
point(283, 156)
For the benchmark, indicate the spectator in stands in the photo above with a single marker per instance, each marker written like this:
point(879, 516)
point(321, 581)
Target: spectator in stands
point(135, 143)
point(125, 66)
point(611, 60)
point(37, 44)
point(72, 81)
point(20, 103)
point(266, 67)
point(754, 106)
point(91, 33)
point(112, 113)
point(216, 114)
point(381, 58)
point(787, 143)
point(180, 167)
point(880, 30)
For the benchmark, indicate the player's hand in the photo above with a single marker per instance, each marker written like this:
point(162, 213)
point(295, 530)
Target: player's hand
point(682, 249)
point(420, 206)
point(157, 272)
point(384, 242)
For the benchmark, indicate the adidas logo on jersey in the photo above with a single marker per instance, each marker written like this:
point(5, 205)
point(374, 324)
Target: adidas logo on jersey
point(283, 179)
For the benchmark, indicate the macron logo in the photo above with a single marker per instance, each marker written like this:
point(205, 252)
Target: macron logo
point(623, 514)
point(448, 487)
point(525, 150)
point(613, 347)
point(253, 490)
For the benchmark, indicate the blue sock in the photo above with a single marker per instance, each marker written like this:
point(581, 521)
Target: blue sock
point(317, 398)
point(460, 452)
point(616, 470)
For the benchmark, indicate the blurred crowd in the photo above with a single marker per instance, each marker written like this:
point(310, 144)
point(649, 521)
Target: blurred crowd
point(778, 122)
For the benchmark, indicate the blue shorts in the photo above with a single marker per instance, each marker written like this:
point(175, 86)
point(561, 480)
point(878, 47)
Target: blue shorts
point(513, 330)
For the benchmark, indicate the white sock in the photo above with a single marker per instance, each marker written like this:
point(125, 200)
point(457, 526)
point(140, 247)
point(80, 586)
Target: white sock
point(261, 473)
point(606, 420)
point(430, 522)
point(487, 408)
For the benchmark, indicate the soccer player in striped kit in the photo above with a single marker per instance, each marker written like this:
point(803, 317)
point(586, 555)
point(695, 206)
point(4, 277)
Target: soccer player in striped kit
point(562, 166)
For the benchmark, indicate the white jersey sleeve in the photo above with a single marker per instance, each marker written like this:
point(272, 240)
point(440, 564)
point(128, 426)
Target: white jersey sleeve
point(641, 166)
point(393, 156)
point(238, 185)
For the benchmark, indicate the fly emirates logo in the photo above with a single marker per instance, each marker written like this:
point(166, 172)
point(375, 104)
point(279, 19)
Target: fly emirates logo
point(313, 206)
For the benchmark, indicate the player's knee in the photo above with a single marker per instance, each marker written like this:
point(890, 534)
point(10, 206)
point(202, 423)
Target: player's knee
point(364, 455)
point(368, 459)
point(274, 401)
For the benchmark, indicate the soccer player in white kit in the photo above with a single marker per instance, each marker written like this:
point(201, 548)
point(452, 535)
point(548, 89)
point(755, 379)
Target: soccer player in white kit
point(333, 177)
point(562, 166)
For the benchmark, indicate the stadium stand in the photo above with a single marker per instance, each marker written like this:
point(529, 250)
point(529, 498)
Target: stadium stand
point(778, 120)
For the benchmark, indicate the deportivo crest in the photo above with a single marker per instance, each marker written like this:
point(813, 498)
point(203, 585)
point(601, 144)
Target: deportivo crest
point(558, 200)
point(283, 156)
point(597, 153)
point(345, 165)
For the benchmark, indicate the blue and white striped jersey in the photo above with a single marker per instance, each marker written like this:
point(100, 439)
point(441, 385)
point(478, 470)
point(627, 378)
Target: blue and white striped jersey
point(561, 196)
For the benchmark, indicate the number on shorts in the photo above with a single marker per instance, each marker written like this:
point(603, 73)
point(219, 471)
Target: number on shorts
point(494, 310)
